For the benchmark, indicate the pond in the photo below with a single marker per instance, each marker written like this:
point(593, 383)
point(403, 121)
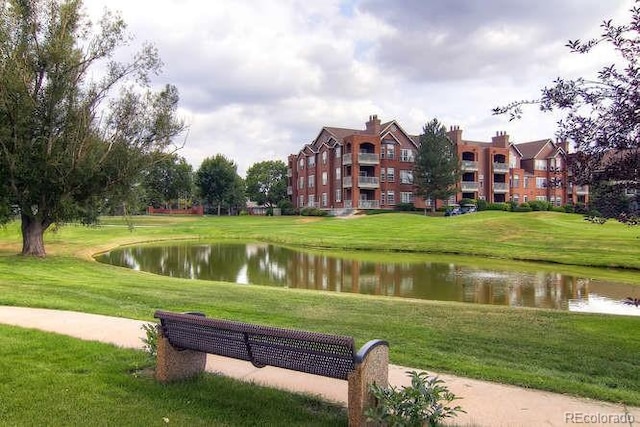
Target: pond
point(398, 275)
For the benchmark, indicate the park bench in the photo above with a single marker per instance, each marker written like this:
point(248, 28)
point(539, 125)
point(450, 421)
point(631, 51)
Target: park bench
point(185, 339)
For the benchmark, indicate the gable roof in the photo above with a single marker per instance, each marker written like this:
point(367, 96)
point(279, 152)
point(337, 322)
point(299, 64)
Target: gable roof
point(531, 150)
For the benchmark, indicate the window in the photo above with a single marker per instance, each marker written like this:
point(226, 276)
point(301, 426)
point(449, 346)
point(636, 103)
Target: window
point(541, 182)
point(312, 181)
point(338, 152)
point(388, 151)
point(515, 181)
point(383, 175)
point(383, 198)
point(406, 155)
point(312, 200)
point(324, 200)
point(406, 197)
point(301, 182)
point(338, 195)
point(391, 174)
point(311, 161)
point(516, 198)
point(324, 178)
point(525, 198)
point(541, 198)
point(338, 173)
point(540, 165)
point(301, 163)
point(301, 203)
point(391, 197)
point(526, 182)
point(324, 157)
point(406, 177)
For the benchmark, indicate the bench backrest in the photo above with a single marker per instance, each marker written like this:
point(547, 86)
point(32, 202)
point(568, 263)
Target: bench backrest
point(312, 352)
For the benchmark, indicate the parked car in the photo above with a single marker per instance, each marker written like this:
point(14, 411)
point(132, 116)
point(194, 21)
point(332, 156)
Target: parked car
point(453, 210)
point(468, 209)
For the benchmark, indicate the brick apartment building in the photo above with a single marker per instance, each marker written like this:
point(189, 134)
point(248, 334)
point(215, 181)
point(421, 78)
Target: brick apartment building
point(373, 168)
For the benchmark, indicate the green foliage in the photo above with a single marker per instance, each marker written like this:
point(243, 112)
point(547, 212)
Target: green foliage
point(405, 207)
point(524, 207)
point(167, 180)
point(498, 207)
point(266, 182)
point(287, 207)
point(539, 205)
point(313, 212)
point(436, 168)
point(425, 402)
point(482, 205)
point(218, 182)
point(150, 340)
point(466, 201)
point(70, 144)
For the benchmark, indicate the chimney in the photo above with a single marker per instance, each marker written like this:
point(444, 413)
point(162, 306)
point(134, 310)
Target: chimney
point(500, 140)
point(455, 134)
point(373, 125)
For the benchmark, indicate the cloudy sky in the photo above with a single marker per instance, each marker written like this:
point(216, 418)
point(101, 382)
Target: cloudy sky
point(258, 79)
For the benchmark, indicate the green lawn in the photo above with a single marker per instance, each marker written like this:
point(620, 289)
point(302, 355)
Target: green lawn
point(583, 354)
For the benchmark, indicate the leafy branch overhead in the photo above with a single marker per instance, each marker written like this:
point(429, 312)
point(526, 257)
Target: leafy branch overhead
point(76, 127)
point(601, 114)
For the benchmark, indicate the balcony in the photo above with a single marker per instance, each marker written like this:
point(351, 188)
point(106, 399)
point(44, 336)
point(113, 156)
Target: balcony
point(363, 182)
point(581, 189)
point(363, 159)
point(500, 187)
point(469, 186)
point(368, 204)
point(500, 167)
point(468, 165)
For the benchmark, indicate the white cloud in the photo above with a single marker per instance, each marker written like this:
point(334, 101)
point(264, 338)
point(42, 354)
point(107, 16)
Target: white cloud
point(258, 79)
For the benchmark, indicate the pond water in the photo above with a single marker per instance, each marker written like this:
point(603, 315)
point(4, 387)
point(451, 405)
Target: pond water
point(424, 277)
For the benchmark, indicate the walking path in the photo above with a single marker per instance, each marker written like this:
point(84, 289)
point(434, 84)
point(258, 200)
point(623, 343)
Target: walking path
point(486, 403)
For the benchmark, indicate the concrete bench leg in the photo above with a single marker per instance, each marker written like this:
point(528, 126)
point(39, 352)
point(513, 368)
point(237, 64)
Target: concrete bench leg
point(374, 369)
point(173, 364)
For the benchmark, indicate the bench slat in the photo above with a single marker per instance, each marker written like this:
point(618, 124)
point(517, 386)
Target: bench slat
point(304, 351)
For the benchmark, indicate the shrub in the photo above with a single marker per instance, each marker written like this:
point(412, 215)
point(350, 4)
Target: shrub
point(497, 207)
point(286, 207)
point(524, 207)
point(569, 208)
point(425, 402)
point(313, 212)
point(558, 209)
point(466, 201)
point(482, 205)
point(539, 205)
point(405, 207)
point(150, 340)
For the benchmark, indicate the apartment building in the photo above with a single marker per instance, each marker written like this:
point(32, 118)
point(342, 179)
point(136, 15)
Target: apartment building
point(372, 168)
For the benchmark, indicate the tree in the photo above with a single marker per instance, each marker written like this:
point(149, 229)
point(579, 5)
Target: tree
point(267, 182)
point(217, 181)
point(72, 135)
point(436, 168)
point(168, 179)
point(601, 115)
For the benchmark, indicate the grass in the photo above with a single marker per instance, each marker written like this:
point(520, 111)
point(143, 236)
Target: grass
point(582, 354)
point(76, 382)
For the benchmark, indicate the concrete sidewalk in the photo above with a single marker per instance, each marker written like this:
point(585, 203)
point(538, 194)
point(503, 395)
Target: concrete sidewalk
point(486, 403)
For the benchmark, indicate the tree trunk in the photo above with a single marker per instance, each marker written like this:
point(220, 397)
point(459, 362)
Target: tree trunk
point(33, 229)
point(219, 208)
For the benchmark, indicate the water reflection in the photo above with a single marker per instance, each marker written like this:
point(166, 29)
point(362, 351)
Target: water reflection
point(264, 264)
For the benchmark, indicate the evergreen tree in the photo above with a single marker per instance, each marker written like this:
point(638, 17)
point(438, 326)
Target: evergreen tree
point(437, 168)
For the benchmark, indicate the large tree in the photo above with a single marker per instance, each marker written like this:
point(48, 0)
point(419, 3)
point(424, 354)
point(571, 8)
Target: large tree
point(217, 180)
point(267, 182)
point(76, 127)
point(167, 180)
point(602, 113)
point(436, 169)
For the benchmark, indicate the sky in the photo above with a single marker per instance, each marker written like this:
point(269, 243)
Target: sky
point(258, 79)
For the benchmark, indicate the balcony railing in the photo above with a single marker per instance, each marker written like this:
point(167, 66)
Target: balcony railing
point(468, 165)
point(469, 186)
point(363, 182)
point(363, 159)
point(368, 204)
point(500, 167)
point(500, 187)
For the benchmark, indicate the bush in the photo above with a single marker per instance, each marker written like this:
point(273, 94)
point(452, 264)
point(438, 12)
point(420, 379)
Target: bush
point(569, 208)
point(558, 209)
point(313, 212)
point(482, 205)
point(286, 207)
point(524, 207)
point(539, 205)
point(497, 207)
point(425, 402)
point(150, 340)
point(405, 207)
point(467, 202)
